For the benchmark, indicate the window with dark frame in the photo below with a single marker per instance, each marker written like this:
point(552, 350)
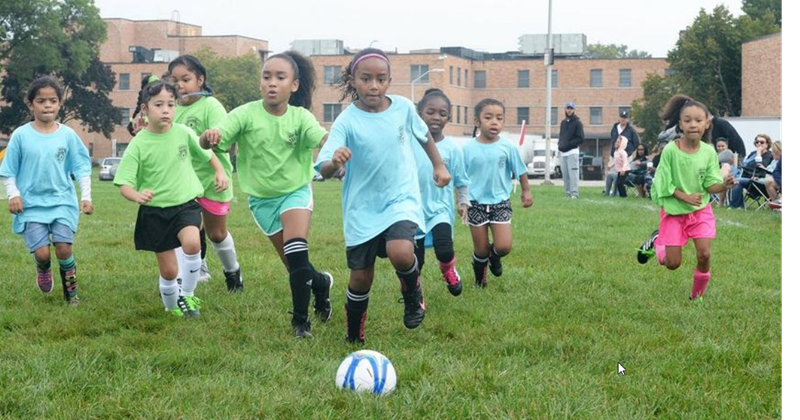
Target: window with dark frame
point(124, 81)
point(596, 115)
point(331, 111)
point(480, 79)
point(523, 114)
point(625, 78)
point(523, 78)
point(596, 78)
point(332, 74)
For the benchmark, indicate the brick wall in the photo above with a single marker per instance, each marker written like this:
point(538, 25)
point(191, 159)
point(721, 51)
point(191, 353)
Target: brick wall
point(761, 77)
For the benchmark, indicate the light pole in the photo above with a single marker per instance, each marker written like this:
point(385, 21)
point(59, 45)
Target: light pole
point(548, 56)
point(418, 79)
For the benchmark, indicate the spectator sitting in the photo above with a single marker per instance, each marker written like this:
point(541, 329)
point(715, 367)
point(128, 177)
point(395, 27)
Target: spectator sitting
point(726, 162)
point(639, 176)
point(754, 166)
point(774, 185)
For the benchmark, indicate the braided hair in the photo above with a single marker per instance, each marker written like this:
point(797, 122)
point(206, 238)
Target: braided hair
point(151, 86)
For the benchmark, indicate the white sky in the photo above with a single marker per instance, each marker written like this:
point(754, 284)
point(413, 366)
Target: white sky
point(651, 26)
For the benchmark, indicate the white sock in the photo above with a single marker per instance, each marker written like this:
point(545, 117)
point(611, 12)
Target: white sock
point(191, 272)
point(179, 255)
point(169, 292)
point(226, 252)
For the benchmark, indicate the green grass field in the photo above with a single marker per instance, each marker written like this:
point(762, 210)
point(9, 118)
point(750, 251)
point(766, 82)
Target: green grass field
point(543, 341)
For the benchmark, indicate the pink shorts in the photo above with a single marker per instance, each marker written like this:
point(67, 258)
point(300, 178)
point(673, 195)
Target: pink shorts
point(677, 230)
point(217, 208)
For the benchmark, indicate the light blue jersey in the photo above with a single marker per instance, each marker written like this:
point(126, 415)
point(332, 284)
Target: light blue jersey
point(437, 203)
point(490, 168)
point(380, 186)
point(41, 165)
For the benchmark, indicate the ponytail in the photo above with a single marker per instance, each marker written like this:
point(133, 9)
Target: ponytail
point(304, 74)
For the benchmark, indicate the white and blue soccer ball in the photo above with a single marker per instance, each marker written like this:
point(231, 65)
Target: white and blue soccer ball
point(366, 370)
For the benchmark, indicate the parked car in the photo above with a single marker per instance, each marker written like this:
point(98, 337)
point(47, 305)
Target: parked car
point(591, 167)
point(108, 168)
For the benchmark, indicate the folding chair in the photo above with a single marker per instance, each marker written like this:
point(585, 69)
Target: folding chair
point(755, 195)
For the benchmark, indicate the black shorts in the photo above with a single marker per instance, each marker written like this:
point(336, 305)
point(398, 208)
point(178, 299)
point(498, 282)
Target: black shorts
point(157, 228)
point(363, 255)
point(481, 214)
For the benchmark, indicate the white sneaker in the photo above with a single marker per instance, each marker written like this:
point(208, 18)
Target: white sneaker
point(205, 275)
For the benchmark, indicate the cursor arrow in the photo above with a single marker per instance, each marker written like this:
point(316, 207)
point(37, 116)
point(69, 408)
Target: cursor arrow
point(620, 369)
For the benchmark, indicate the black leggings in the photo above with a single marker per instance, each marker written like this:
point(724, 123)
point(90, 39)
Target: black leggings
point(442, 244)
point(621, 180)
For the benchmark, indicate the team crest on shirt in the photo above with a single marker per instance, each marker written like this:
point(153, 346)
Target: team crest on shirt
point(702, 175)
point(61, 154)
point(501, 162)
point(291, 140)
point(193, 123)
point(401, 135)
point(183, 150)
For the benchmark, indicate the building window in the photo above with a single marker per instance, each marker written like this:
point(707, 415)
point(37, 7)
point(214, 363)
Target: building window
point(480, 79)
point(466, 115)
point(458, 114)
point(332, 74)
point(466, 78)
point(554, 78)
point(331, 112)
point(420, 71)
point(91, 149)
point(596, 115)
point(451, 75)
point(597, 78)
point(523, 78)
point(121, 149)
point(554, 115)
point(625, 78)
point(458, 76)
point(523, 114)
point(125, 116)
point(124, 81)
point(625, 109)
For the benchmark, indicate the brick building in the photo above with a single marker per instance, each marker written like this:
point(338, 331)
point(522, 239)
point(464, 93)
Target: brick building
point(134, 49)
point(599, 87)
point(762, 77)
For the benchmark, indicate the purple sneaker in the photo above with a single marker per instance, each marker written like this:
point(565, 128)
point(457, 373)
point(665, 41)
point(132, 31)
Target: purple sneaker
point(44, 279)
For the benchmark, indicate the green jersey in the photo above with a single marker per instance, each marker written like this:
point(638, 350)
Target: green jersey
point(691, 173)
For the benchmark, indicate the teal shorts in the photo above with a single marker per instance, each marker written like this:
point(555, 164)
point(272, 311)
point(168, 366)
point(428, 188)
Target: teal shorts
point(267, 211)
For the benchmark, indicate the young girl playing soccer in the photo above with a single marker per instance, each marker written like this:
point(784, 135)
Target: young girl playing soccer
point(687, 174)
point(381, 203)
point(437, 203)
point(490, 161)
point(276, 137)
point(198, 110)
point(156, 172)
point(40, 158)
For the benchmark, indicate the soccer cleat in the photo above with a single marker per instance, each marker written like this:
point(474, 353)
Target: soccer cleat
point(698, 299)
point(175, 312)
point(414, 306)
point(302, 327)
point(645, 252)
point(234, 281)
point(322, 300)
point(205, 275)
point(355, 326)
point(189, 305)
point(451, 278)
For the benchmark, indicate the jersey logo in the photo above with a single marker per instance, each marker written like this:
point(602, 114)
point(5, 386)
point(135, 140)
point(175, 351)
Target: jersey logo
point(702, 174)
point(501, 162)
point(193, 123)
point(183, 150)
point(291, 140)
point(401, 135)
point(61, 155)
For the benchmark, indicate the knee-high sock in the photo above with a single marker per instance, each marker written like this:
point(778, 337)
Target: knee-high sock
point(700, 283)
point(203, 244)
point(443, 242)
point(419, 252)
point(180, 256)
point(300, 276)
point(191, 272)
point(169, 292)
point(409, 279)
point(226, 252)
point(356, 313)
point(479, 266)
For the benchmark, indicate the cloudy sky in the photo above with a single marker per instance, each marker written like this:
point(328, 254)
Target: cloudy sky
point(651, 26)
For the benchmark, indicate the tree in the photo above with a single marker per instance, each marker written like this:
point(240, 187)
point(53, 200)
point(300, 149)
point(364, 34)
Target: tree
point(707, 59)
point(645, 111)
point(769, 10)
point(613, 51)
point(235, 80)
point(59, 38)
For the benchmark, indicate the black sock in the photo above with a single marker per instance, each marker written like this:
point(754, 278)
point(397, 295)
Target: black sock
point(409, 279)
point(493, 252)
point(479, 266)
point(356, 313)
point(42, 265)
point(419, 252)
point(296, 251)
point(203, 245)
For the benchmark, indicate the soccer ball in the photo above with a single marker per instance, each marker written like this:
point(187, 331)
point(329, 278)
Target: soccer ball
point(366, 370)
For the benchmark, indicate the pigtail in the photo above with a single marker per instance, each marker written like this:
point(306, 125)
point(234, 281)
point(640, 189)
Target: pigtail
point(151, 86)
point(139, 102)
